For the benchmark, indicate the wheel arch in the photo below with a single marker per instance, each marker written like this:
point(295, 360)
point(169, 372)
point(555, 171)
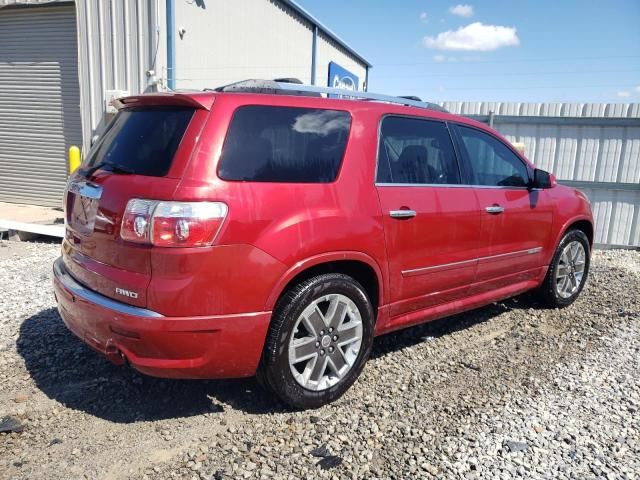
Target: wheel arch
point(358, 265)
point(583, 224)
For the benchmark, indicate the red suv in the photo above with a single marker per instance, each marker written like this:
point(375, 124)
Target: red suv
point(236, 232)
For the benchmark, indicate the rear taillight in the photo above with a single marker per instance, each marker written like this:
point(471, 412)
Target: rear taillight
point(136, 222)
point(172, 224)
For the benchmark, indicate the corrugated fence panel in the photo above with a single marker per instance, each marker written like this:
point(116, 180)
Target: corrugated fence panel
point(630, 170)
point(594, 144)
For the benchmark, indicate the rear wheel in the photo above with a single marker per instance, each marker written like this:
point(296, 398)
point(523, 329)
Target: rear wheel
point(318, 342)
point(568, 270)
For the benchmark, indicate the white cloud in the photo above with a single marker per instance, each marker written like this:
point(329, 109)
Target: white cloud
point(439, 58)
point(474, 37)
point(638, 89)
point(624, 94)
point(424, 18)
point(465, 11)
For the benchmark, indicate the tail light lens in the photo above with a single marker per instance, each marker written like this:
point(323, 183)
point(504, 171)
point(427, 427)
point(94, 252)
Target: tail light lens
point(172, 224)
point(136, 222)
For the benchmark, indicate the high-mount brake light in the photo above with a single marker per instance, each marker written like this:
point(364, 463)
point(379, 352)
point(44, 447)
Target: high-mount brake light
point(172, 224)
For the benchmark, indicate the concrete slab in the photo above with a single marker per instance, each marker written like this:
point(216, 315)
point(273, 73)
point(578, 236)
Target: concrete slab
point(16, 217)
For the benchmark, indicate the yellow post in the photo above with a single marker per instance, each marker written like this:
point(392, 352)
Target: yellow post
point(74, 158)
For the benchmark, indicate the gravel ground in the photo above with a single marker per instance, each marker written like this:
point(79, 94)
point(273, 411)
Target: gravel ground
point(505, 391)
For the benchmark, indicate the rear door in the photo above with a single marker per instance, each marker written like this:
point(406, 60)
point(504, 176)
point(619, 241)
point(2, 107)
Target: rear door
point(516, 221)
point(138, 156)
point(431, 222)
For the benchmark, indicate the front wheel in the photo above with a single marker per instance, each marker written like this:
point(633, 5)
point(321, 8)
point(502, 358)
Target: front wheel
point(568, 270)
point(318, 341)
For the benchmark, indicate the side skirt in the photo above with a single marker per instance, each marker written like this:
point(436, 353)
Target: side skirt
point(386, 324)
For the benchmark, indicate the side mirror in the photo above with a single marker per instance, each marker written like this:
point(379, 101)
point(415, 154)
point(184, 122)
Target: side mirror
point(542, 179)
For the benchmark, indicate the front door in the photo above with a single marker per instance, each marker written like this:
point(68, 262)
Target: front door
point(515, 220)
point(431, 222)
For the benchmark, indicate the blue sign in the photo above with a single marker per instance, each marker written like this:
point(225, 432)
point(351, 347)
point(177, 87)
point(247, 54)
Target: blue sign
point(341, 77)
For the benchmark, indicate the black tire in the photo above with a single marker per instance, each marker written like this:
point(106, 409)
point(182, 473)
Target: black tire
point(548, 291)
point(275, 372)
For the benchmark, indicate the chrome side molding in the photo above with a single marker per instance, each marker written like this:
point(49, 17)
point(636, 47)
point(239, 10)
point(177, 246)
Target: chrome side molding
point(447, 266)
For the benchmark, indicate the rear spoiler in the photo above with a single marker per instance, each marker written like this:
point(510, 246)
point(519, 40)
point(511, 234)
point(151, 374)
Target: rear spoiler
point(203, 102)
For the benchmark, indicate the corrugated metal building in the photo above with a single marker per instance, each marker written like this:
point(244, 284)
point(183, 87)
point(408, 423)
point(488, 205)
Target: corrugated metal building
point(592, 146)
point(62, 61)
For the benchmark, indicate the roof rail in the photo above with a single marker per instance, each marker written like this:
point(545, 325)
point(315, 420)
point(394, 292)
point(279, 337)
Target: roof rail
point(288, 88)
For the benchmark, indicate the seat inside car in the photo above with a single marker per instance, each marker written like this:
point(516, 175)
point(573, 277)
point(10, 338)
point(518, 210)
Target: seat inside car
point(412, 165)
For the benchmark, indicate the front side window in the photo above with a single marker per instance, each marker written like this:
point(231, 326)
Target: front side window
point(284, 144)
point(492, 162)
point(416, 151)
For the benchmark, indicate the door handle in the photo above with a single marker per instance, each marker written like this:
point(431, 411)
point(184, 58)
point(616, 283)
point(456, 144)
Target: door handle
point(402, 213)
point(494, 209)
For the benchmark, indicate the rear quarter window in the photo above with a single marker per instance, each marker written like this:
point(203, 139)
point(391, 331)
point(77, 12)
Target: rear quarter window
point(284, 144)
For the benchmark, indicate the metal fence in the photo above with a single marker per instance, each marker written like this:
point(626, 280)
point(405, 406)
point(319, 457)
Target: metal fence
point(593, 147)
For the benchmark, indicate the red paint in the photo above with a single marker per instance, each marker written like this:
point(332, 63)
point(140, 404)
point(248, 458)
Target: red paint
point(217, 300)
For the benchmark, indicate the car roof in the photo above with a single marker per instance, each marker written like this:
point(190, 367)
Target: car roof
point(206, 99)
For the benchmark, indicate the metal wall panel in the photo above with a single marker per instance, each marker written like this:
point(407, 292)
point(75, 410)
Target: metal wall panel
point(593, 146)
point(119, 41)
point(4, 3)
point(330, 51)
point(224, 42)
point(39, 102)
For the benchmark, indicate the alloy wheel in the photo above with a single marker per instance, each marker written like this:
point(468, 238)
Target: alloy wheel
point(570, 269)
point(326, 340)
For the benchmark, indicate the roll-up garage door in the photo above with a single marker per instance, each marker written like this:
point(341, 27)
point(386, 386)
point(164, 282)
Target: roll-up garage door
point(39, 102)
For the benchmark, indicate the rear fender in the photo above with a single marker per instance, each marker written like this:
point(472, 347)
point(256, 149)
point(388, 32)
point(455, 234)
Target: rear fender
point(315, 260)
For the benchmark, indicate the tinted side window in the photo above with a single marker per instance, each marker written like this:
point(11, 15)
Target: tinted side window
point(416, 151)
point(492, 163)
point(284, 144)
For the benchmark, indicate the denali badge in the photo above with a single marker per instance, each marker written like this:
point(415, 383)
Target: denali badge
point(126, 293)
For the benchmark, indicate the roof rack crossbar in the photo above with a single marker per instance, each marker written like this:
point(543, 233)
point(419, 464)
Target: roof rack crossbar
point(357, 94)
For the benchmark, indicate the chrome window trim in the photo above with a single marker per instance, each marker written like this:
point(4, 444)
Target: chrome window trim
point(70, 283)
point(445, 266)
point(449, 185)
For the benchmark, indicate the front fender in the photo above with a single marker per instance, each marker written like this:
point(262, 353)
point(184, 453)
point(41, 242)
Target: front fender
point(571, 206)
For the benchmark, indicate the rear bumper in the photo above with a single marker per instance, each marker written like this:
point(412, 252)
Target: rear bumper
point(224, 346)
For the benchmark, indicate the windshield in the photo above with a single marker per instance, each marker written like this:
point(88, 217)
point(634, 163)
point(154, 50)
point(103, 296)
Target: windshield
point(142, 140)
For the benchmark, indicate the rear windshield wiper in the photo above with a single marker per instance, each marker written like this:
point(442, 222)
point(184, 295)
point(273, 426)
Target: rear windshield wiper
point(115, 168)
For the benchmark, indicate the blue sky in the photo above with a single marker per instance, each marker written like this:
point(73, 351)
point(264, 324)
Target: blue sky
point(498, 50)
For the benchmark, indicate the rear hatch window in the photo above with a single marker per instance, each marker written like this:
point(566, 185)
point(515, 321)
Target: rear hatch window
point(142, 140)
point(284, 144)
